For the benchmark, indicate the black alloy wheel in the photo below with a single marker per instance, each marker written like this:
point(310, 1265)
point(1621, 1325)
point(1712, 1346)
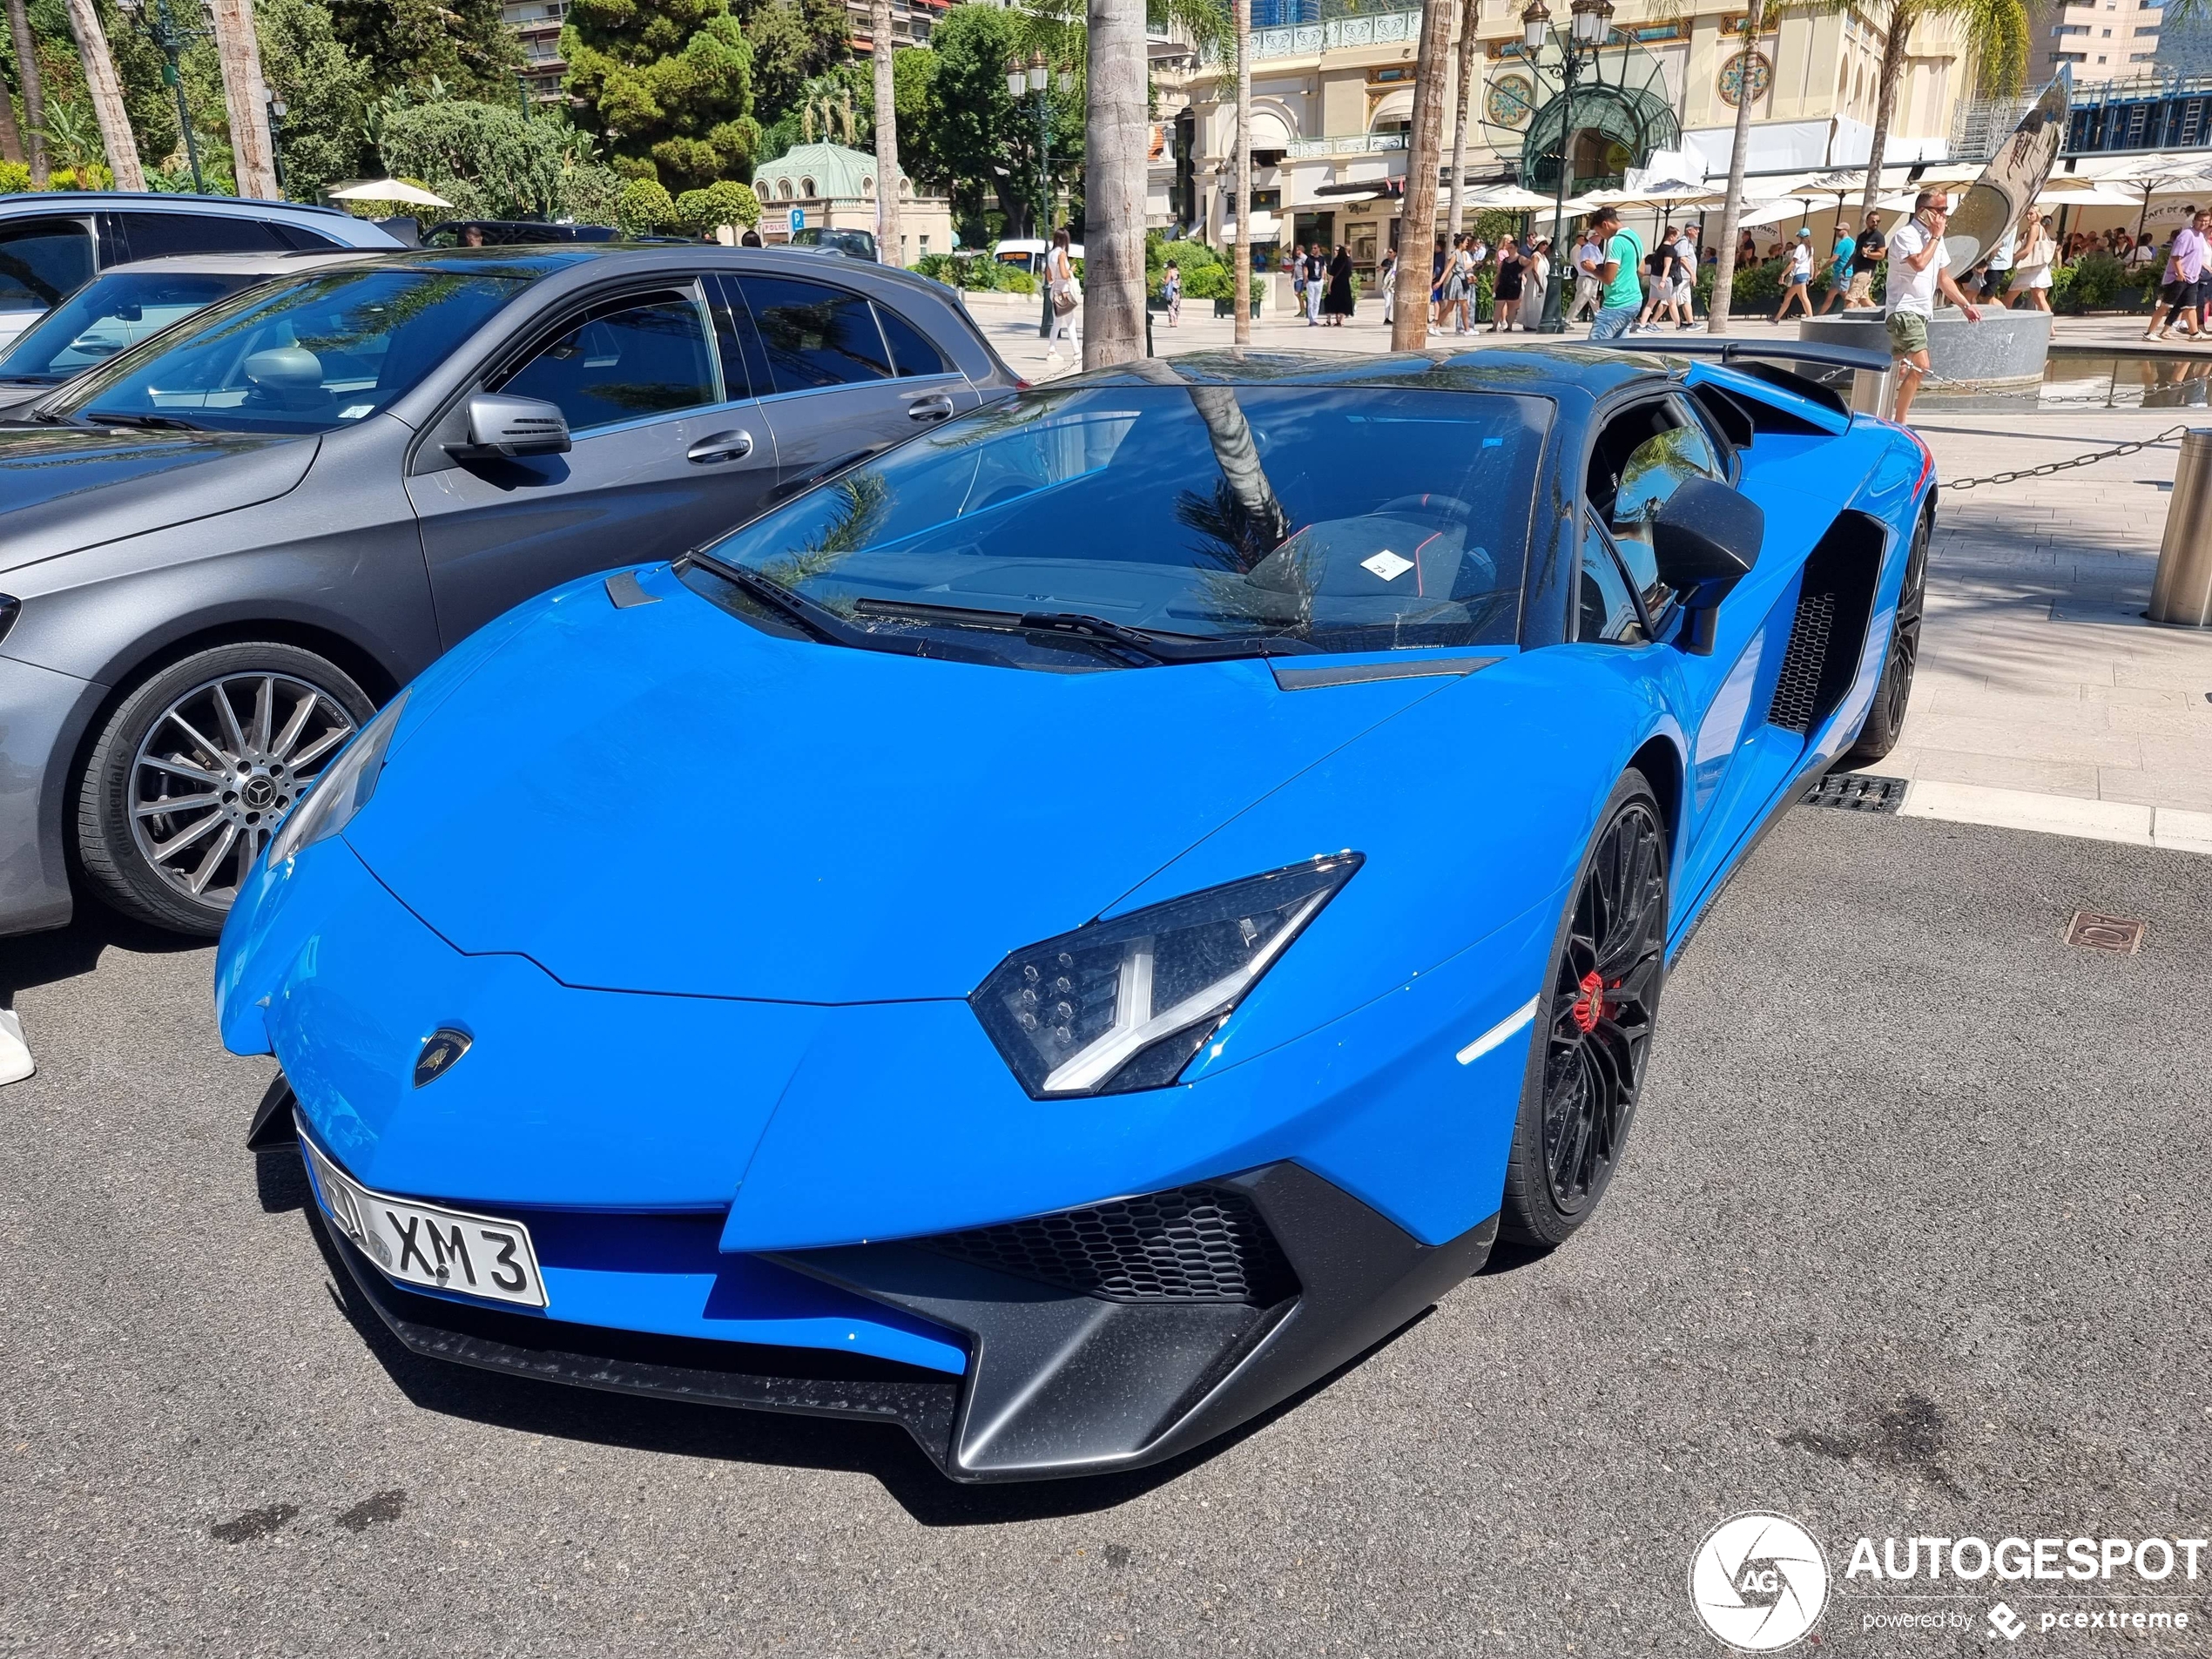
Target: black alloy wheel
point(1593, 1025)
point(1885, 720)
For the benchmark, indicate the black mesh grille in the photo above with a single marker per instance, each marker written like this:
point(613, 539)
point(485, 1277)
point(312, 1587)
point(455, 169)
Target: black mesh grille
point(1191, 1245)
point(1798, 692)
point(1857, 792)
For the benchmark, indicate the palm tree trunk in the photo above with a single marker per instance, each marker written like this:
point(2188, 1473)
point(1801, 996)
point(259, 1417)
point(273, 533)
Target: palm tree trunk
point(1465, 83)
point(1242, 264)
point(1116, 131)
point(34, 96)
point(1903, 16)
point(1724, 266)
point(252, 157)
point(100, 78)
point(10, 138)
point(1417, 221)
point(891, 246)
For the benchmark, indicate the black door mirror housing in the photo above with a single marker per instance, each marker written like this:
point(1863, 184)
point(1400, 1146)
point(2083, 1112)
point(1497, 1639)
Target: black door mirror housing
point(1705, 539)
point(499, 425)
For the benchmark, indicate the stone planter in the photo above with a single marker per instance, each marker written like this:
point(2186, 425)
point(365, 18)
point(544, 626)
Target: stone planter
point(2003, 353)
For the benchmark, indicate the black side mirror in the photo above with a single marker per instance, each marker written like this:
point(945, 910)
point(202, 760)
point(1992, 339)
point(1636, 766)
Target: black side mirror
point(512, 426)
point(1705, 538)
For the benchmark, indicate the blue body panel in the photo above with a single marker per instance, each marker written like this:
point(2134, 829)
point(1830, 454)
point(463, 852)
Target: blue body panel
point(711, 901)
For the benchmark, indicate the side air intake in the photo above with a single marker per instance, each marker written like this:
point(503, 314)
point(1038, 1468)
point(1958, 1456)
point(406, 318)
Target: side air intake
point(1189, 1244)
point(1828, 636)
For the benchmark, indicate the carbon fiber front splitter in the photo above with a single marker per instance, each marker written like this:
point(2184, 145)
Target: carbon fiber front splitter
point(1059, 1382)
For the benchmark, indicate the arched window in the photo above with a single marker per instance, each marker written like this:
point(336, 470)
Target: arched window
point(783, 190)
point(807, 188)
point(867, 187)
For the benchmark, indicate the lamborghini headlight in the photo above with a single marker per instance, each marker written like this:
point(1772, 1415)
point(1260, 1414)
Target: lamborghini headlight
point(1124, 1004)
point(342, 790)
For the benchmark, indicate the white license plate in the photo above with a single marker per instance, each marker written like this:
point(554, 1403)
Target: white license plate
point(420, 1244)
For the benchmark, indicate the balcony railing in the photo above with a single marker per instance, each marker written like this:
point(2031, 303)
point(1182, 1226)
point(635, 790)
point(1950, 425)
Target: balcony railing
point(1336, 34)
point(1348, 144)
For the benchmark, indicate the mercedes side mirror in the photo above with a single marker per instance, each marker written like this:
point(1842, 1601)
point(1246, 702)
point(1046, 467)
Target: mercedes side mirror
point(513, 425)
point(1705, 539)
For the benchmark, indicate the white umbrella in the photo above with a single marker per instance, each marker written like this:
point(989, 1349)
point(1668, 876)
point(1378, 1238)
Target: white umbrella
point(1513, 199)
point(389, 189)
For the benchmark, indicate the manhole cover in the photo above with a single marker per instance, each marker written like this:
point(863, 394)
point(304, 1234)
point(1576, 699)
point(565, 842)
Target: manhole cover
point(1857, 792)
point(2094, 932)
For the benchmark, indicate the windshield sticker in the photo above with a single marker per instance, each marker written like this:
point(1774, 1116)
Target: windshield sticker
point(1388, 565)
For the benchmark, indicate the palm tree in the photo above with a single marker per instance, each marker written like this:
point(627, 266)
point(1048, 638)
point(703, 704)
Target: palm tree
point(34, 94)
point(1725, 263)
point(1116, 160)
point(1242, 294)
point(890, 245)
point(106, 88)
point(1416, 234)
point(1462, 99)
point(1996, 39)
point(245, 96)
point(10, 138)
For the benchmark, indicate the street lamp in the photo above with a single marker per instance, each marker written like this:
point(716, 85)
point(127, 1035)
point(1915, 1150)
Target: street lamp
point(171, 39)
point(1036, 80)
point(1589, 26)
point(277, 109)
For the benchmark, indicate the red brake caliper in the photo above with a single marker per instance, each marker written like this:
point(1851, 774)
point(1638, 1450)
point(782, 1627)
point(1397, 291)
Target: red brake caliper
point(1590, 1004)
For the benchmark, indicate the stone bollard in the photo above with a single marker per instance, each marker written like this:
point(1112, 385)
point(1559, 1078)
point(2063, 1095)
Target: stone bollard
point(2180, 594)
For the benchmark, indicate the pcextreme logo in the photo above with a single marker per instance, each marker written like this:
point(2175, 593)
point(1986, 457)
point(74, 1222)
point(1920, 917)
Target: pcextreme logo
point(1758, 1581)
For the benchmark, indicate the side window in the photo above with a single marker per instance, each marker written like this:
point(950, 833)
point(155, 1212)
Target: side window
point(814, 334)
point(40, 262)
point(1605, 608)
point(154, 236)
point(910, 352)
point(631, 358)
point(1640, 458)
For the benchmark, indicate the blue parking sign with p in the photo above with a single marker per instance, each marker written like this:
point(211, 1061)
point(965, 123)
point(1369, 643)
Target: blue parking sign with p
point(799, 219)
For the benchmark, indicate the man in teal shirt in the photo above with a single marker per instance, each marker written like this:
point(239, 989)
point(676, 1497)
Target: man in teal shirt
point(1624, 289)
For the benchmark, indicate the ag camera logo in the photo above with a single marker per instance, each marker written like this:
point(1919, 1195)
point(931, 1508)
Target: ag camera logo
point(1758, 1581)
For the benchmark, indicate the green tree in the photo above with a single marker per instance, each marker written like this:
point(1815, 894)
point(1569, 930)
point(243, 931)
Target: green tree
point(489, 161)
point(645, 208)
point(724, 202)
point(1994, 32)
point(973, 139)
point(670, 81)
point(794, 42)
point(326, 91)
point(464, 43)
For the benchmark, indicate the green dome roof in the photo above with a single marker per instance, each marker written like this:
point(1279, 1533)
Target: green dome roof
point(816, 172)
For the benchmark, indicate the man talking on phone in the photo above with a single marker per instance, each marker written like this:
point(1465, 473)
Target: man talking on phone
point(1919, 265)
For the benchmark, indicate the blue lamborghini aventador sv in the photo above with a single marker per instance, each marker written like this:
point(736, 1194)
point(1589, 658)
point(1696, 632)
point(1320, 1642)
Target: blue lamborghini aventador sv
point(1063, 932)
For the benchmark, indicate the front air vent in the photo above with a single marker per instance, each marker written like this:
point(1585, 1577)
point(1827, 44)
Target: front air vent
point(1189, 1244)
point(1828, 636)
point(1795, 692)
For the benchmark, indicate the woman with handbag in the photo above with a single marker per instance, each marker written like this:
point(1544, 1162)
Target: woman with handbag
point(1060, 281)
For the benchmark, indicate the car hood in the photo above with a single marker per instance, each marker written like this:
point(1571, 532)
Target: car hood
point(664, 799)
point(64, 488)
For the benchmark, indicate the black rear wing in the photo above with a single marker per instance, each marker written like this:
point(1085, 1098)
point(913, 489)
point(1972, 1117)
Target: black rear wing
point(1764, 358)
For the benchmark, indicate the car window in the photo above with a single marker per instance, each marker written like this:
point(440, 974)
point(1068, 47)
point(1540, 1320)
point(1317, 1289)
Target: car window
point(154, 236)
point(107, 315)
point(308, 356)
point(628, 359)
point(911, 353)
point(1607, 609)
point(1355, 518)
point(815, 334)
point(40, 262)
point(1640, 458)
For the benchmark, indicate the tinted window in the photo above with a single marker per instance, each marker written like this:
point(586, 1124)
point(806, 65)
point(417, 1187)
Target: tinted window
point(815, 334)
point(1640, 459)
point(155, 236)
point(635, 359)
point(1357, 519)
point(1607, 609)
point(108, 315)
point(910, 352)
point(41, 262)
point(315, 353)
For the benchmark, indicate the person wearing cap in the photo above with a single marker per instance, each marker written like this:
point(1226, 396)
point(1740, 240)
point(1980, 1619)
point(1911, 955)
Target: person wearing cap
point(1797, 279)
point(1622, 292)
point(1841, 274)
point(1919, 267)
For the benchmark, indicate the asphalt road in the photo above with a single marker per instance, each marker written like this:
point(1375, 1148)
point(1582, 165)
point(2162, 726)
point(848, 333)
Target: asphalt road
point(1913, 1240)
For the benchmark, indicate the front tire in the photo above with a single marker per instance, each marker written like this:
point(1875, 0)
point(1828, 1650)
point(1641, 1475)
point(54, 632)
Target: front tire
point(1885, 720)
point(194, 771)
point(1593, 1025)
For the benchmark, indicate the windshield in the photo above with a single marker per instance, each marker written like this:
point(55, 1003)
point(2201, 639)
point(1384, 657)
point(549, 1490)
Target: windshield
point(1343, 518)
point(107, 316)
point(320, 352)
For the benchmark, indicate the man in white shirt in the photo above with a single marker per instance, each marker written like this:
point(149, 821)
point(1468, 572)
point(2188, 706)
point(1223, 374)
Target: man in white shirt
point(1918, 268)
point(1588, 256)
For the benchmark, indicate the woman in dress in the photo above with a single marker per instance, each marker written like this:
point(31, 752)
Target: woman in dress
point(1535, 274)
point(1336, 304)
point(2039, 251)
point(1505, 295)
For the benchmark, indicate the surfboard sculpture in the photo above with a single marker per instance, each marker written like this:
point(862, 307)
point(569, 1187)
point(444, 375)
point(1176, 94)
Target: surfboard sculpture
point(1994, 203)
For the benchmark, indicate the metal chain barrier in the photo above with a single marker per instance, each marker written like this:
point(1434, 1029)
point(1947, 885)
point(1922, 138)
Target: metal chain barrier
point(2050, 467)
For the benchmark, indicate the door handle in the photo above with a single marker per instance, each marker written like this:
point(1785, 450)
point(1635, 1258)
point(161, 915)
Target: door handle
point(721, 446)
point(935, 406)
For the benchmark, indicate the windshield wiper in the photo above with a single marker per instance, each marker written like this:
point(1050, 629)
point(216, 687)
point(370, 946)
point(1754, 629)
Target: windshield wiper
point(1157, 645)
point(153, 423)
point(817, 620)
